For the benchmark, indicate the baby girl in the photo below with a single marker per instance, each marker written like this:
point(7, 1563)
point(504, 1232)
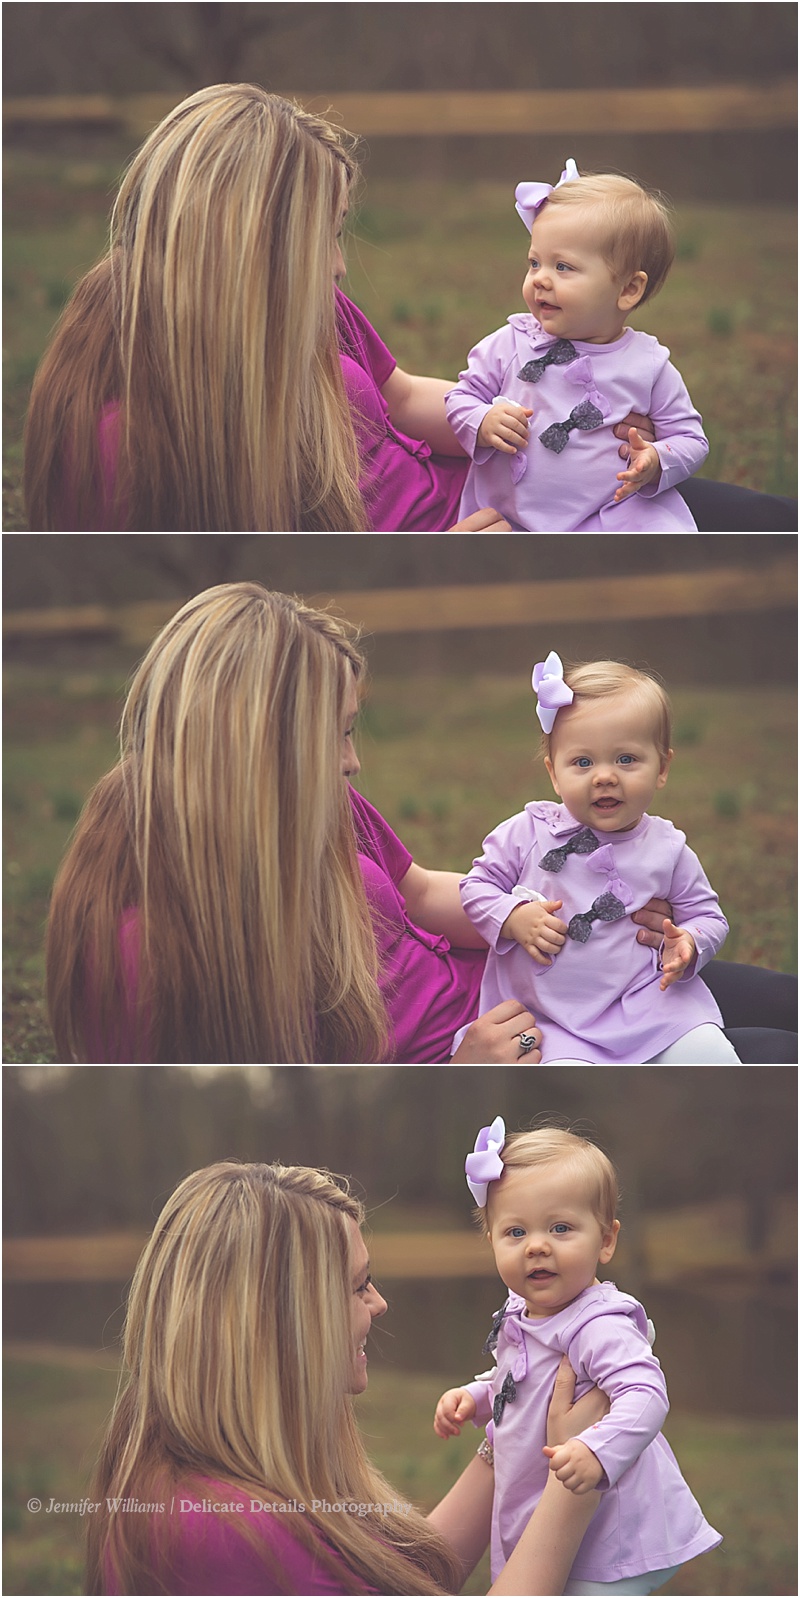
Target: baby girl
point(600, 997)
point(601, 245)
point(547, 1201)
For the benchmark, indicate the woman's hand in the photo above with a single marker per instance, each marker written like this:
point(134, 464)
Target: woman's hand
point(634, 419)
point(565, 1418)
point(651, 918)
point(494, 1038)
point(483, 521)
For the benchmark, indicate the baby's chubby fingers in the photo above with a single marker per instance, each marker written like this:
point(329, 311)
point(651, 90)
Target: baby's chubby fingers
point(560, 1462)
point(445, 1428)
point(453, 1409)
point(551, 932)
point(629, 481)
point(679, 951)
point(444, 1424)
point(505, 427)
point(513, 416)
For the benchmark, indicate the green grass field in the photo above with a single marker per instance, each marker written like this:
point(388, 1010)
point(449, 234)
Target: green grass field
point(445, 760)
point(742, 1472)
point(437, 267)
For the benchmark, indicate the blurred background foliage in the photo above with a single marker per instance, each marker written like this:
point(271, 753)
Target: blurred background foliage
point(707, 1164)
point(122, 48)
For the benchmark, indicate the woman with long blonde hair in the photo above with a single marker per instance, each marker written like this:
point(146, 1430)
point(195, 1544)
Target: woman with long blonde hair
point(232, 1461)
point(206, 374)
point(194, 380)
point(228, 897)
point(213, 877)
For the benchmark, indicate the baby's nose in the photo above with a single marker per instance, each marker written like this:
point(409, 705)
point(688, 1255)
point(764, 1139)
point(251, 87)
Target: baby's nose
point(536, 1244)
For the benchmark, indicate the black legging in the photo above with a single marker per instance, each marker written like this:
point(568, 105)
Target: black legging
point(724, 508)
point(759, 1008)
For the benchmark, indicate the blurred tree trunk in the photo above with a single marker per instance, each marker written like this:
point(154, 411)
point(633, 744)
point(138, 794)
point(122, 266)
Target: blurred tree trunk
point(194, 560)
point(762, 1102)
point(205, 43)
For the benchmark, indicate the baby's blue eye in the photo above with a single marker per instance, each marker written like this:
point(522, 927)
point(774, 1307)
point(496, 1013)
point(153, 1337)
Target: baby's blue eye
point(563, 266)
point(560, 1227)
point(626, 760)
point(517, 1231)
point(583, 761)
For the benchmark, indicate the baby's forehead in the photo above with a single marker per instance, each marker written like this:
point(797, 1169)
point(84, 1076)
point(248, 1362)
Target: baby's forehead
point(632, 714)
point(561, 1180)
point(581, 223)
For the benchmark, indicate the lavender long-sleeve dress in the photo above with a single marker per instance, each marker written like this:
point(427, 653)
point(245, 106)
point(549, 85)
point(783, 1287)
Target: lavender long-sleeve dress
point(571, 489)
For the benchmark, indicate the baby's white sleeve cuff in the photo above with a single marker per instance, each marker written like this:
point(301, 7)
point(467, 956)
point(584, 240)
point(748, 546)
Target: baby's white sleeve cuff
point(527, 895)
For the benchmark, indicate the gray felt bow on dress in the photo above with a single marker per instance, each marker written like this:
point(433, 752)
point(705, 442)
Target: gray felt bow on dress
point(607, 908)
point(506, 1395)
point(583, 842)
point(586, 417)
point(559, 354)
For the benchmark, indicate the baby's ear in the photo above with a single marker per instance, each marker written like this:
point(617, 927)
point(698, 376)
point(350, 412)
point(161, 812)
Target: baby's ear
point(632, 291)
point(610, 1235)
point(664, 772)
point(551, 774)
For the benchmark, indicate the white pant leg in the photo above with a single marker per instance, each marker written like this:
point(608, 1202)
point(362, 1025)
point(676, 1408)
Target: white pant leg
point(631, 1586)
point(567, 1062)
point(704, 1045)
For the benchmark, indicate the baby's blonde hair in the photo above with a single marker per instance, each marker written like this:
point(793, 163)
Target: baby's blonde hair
point(551, 1145)
point(635, 224)
point(600, 679)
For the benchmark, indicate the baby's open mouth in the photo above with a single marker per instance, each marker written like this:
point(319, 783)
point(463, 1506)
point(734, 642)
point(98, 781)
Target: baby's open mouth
point(540, 1275)
point(606, 804)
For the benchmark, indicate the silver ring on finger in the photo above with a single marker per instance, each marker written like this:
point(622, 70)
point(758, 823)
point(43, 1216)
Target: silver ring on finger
point(526, 1041)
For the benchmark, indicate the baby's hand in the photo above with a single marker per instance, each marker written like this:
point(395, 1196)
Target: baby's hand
point(679, 951)
point(575, 1466)
point(454, 1408)
point(536, 929)
point(505, 427)
point(644, 467)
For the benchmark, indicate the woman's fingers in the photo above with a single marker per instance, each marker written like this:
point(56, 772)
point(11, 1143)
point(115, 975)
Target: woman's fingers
point(494, 1039)
point(482, 521)
point(564, 1390)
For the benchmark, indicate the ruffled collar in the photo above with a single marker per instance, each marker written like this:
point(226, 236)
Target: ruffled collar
point(539, 341)
point(561, 824)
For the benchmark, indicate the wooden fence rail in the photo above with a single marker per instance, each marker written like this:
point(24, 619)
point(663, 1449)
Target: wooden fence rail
point(718, 591)
point(720, 107)
point(673, 1243)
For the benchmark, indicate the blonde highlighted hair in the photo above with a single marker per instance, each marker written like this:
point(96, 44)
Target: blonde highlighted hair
point(590, 1168)
point(634, 223)
point(226, 834)
point(601, 679)
point(238, 1361)
point(211, 325)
